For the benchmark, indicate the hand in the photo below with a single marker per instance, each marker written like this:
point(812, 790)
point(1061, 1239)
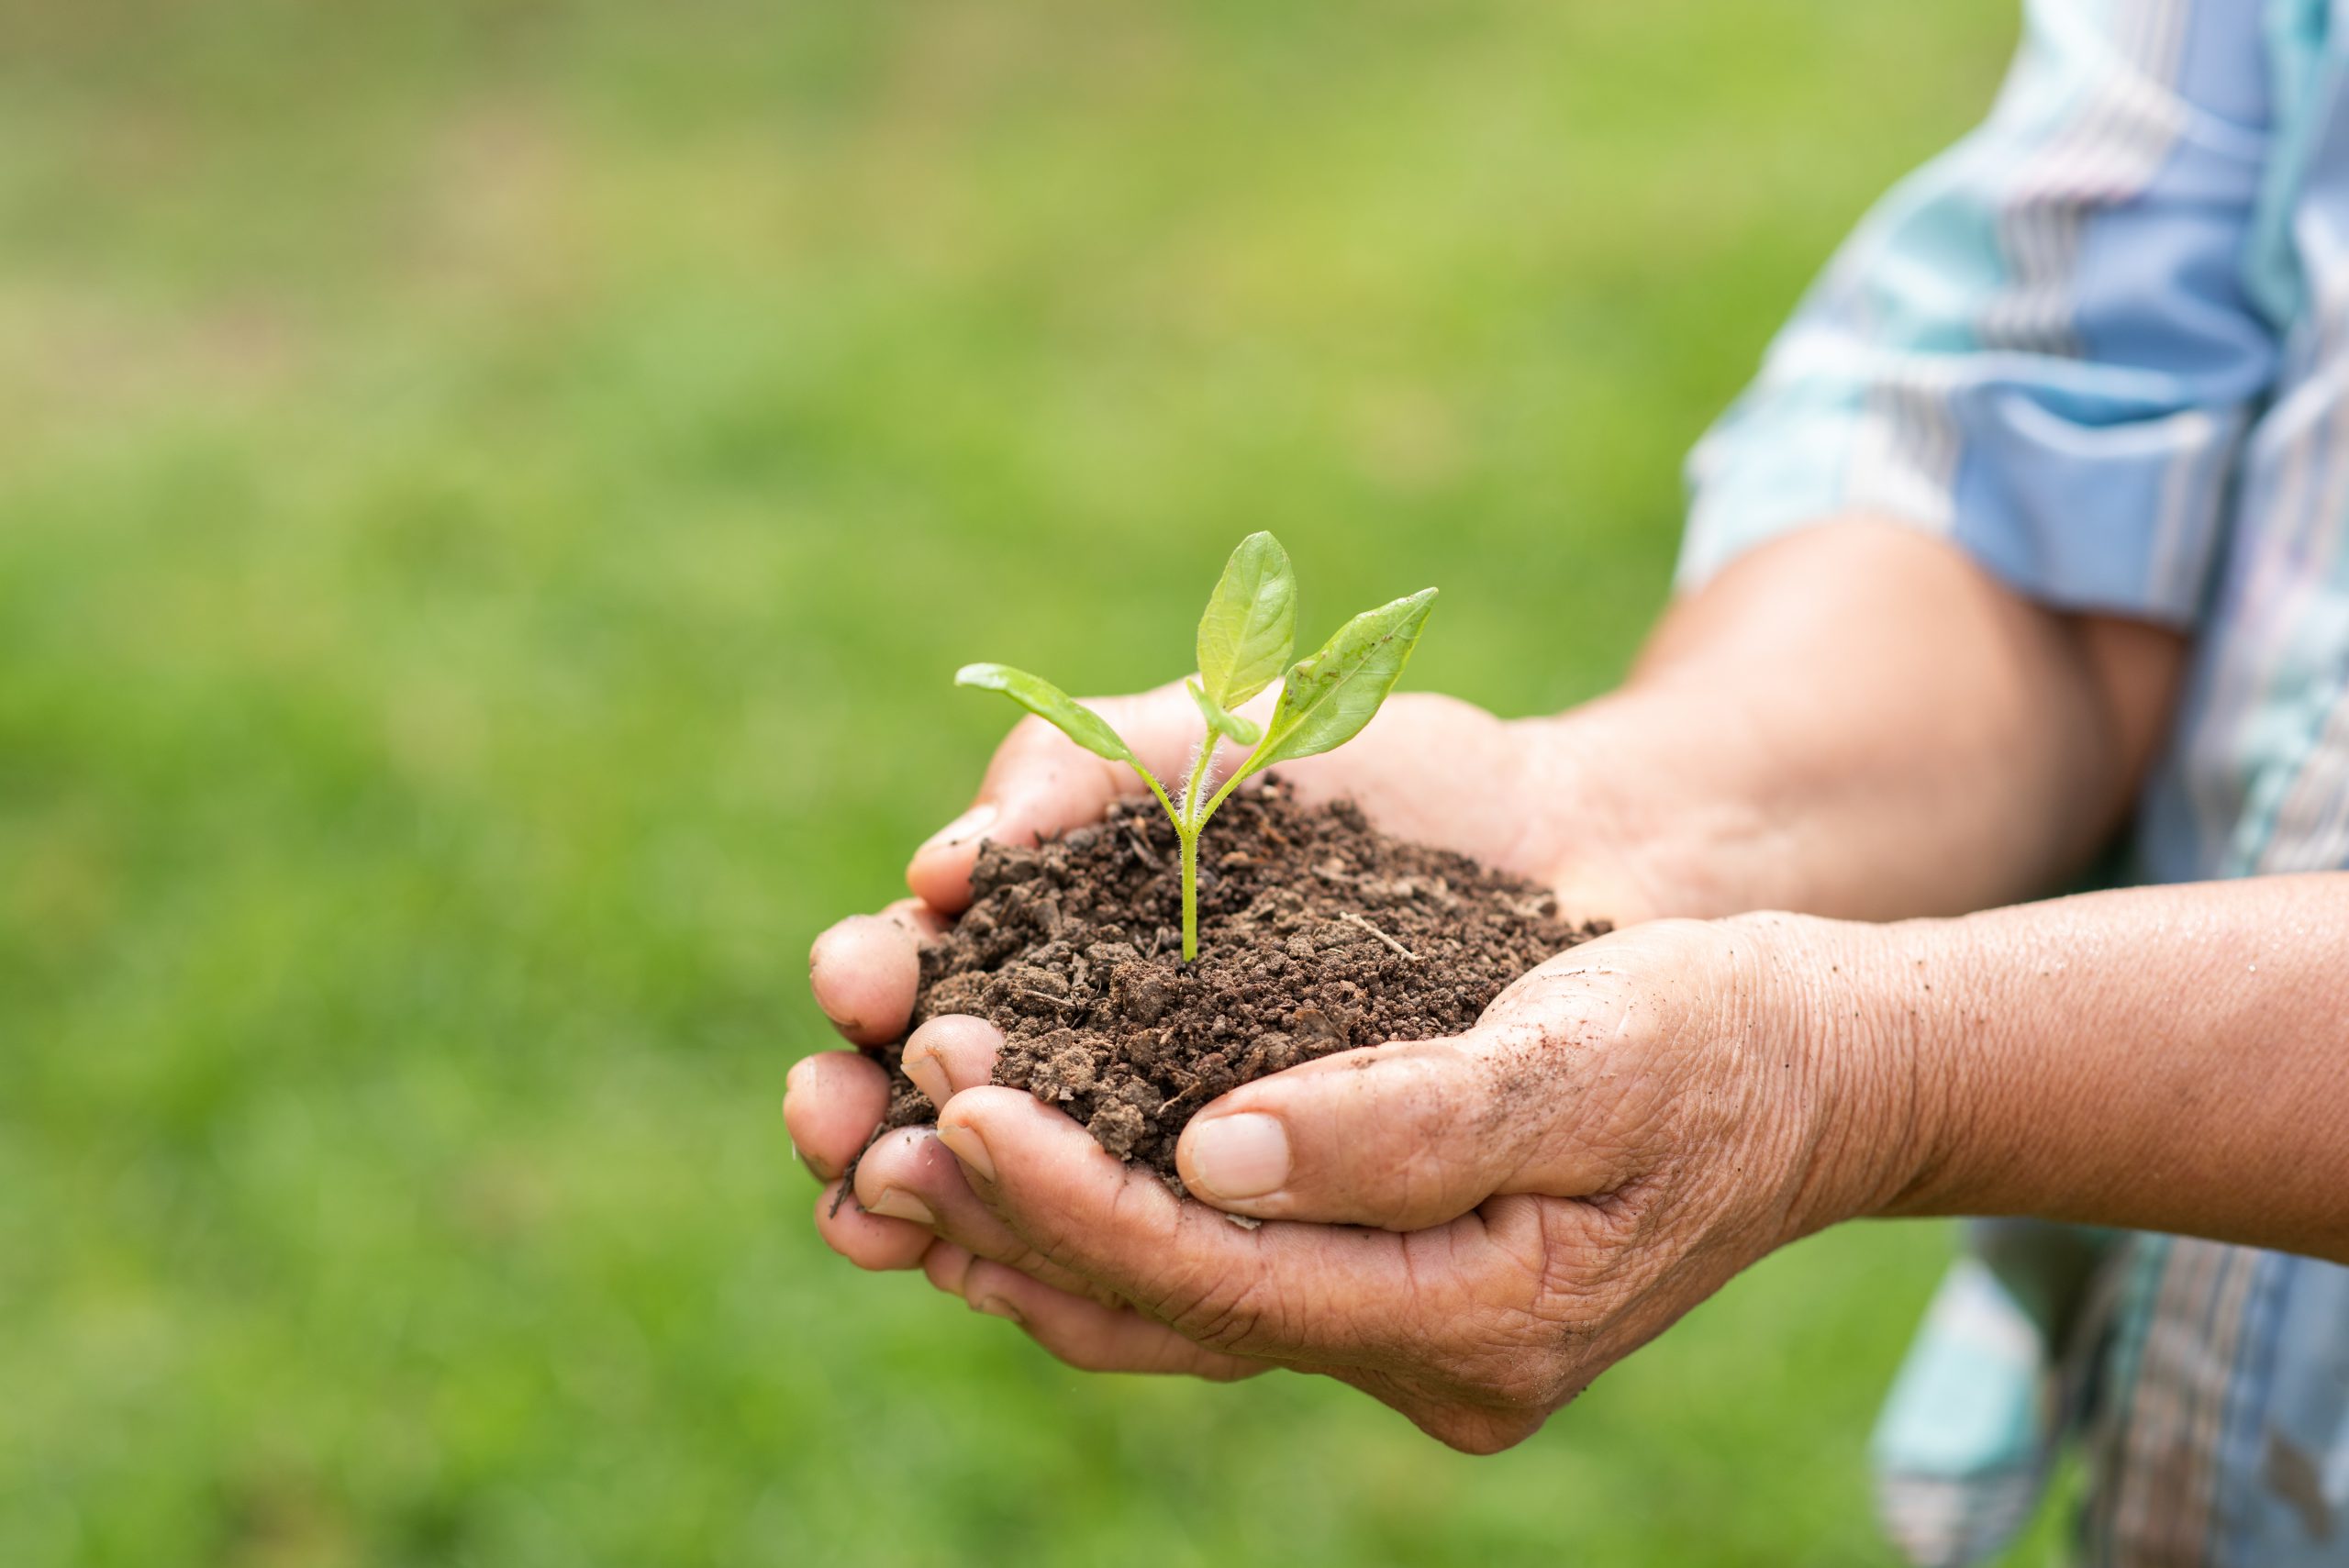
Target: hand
point(1427, 768)
point(1626, 1128)
point(1642, 1118)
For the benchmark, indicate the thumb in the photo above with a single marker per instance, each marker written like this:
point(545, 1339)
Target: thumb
point(1401, 1137)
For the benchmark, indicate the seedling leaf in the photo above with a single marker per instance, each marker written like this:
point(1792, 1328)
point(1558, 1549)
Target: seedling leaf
point(1245, 731)
point(1327, 697)
point(1249, 629)
point(1053, 705)
point(1245, 636)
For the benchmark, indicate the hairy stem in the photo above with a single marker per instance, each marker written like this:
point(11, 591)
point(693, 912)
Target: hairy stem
point(1191, 813)
point(1241, 772)
point(1190, 894)
point(1189, 829)
point(1186, 829)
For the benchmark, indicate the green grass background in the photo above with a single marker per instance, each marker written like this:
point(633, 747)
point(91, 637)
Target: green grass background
point(490, 497)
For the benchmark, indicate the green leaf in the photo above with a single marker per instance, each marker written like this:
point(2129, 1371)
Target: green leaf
point(1250, 627)
point(1246, 731)
point(1330, 697)
point(1055, 707)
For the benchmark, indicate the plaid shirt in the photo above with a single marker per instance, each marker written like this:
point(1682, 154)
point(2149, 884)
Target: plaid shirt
point(2103, 346)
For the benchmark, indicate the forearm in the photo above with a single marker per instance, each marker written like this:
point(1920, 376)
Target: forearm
point(2168, 1059)
point(1858, 721)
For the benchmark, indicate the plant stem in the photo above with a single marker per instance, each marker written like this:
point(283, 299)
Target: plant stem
point(1160, 791)
point(1190, 895)
point(1186, 829)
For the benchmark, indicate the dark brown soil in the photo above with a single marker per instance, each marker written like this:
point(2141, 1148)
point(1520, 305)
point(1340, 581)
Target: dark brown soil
point(1315, 935)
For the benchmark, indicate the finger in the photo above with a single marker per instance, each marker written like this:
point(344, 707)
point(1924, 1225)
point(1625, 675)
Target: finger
point(1282, 1291)
point(868, 1241)
point(831, 1102)
point(1091, 1337)
point(949, 1268)
point(1397, 1136)
point(1042, 783)
point(908, 1174)
point(865, 971)
point(1404, 1136)
point(950, 1053)
point(945, 1265)
point(926, 924)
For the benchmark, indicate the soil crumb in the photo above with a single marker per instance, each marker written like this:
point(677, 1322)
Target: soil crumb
point(1315, 935)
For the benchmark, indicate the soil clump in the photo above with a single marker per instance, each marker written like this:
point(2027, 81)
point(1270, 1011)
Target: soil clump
point(1317, 934)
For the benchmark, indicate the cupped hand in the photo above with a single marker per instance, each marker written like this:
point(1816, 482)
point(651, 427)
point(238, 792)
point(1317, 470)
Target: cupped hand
point(1469, 1229)
point(1428, 767)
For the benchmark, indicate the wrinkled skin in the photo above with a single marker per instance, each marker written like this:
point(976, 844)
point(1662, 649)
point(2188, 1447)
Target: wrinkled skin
point(1468, 1230)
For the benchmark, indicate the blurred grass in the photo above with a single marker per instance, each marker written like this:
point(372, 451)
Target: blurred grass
point(489, 497)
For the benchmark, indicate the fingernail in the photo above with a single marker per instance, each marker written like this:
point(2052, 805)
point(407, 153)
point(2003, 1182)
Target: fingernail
point(996, 1307)
point(823, 1173)
point(971, 824)
point(969, 1148)
point(900, 1205)
point(929, 1075)
point(1240, 1156)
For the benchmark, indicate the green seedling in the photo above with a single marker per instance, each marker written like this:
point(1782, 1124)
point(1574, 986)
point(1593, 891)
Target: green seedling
point(1245, 639)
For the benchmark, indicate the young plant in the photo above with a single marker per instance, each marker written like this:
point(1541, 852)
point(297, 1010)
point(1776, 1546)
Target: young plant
point(1245, 639)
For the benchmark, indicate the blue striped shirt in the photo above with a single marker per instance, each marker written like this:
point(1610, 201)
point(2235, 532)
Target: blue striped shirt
point(2102, 345)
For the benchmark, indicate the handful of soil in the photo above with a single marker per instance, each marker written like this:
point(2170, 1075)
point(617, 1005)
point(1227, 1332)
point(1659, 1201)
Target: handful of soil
point(1315, 935)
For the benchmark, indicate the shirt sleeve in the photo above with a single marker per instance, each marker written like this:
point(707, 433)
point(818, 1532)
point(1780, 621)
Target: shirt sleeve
point(2044, 345)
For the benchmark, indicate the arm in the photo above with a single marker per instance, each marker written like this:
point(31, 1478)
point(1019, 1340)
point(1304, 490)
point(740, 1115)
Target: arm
point(2160, 1059)
point(1858, 720)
